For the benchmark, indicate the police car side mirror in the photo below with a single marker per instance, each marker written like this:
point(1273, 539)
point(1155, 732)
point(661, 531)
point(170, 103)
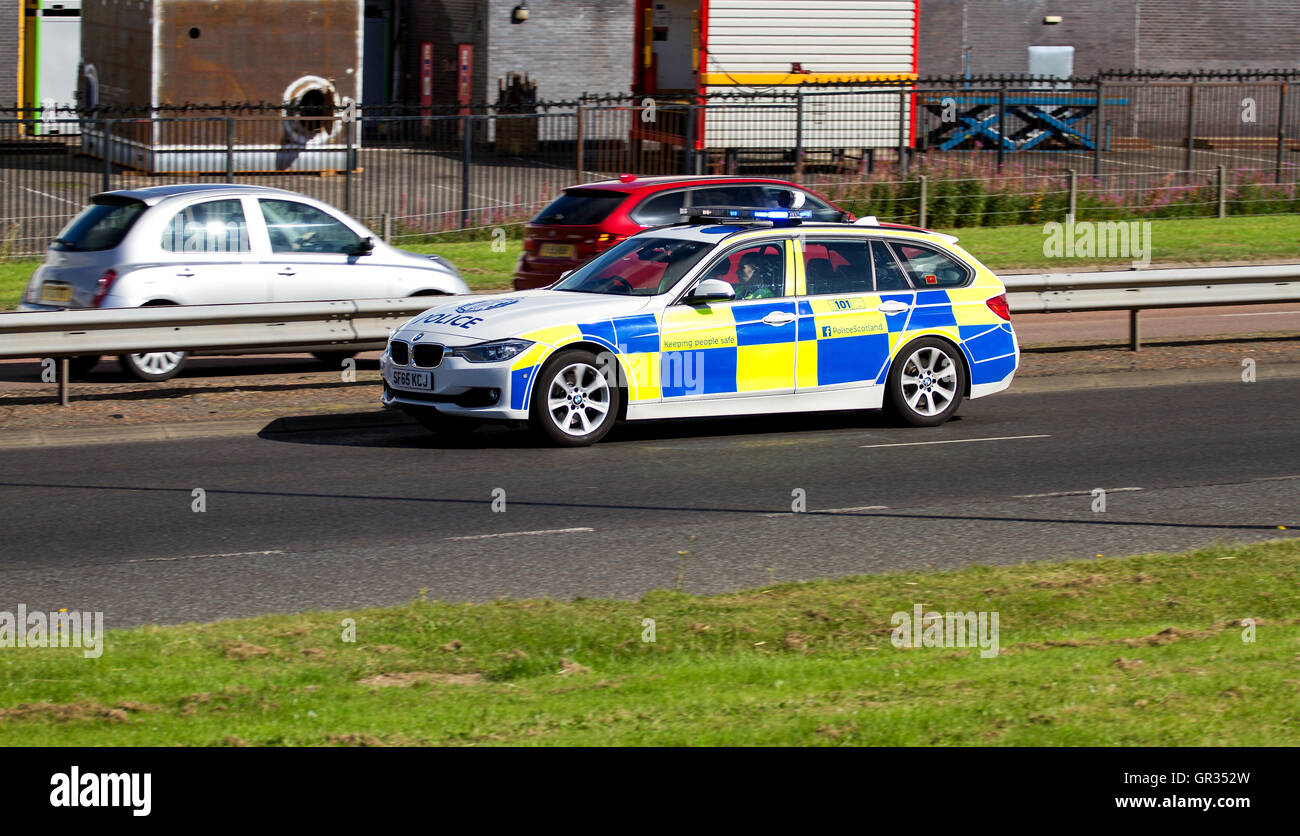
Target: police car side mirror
point(711, 290)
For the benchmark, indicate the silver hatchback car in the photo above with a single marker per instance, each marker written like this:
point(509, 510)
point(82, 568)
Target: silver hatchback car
point(207, 244)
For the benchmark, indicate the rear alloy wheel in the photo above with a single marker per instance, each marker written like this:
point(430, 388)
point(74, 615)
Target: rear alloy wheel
point(574, 404)
point(156, 365)
point(926, 382)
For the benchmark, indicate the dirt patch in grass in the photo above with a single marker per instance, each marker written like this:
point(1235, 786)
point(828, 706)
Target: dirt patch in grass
point(406, 679)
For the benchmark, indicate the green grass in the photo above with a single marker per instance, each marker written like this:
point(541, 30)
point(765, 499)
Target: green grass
point(1238, 239)
point(1135, 651)
point(13, 281)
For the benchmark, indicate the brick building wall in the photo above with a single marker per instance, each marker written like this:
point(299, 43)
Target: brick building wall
point(569, 47)
point(1111, 34)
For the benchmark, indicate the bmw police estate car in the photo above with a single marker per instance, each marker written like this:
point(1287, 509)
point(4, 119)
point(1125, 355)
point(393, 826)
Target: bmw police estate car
point(734, 312)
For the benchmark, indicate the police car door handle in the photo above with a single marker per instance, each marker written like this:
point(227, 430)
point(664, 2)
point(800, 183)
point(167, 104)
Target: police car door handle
point(892, 306)
point(778, 318)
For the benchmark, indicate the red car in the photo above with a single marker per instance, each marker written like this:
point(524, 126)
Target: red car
point(592, 217)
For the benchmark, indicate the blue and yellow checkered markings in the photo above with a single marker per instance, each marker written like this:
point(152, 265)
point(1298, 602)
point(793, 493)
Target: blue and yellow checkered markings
point(637, 338)
point(752, 330)
point(844, 339)
point(992, 350)
point(933, 310)
point(599, 332)
point(637, 334)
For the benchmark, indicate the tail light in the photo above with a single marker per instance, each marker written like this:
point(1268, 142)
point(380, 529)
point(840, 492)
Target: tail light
point(998, 304)
point(103, 286)
point(605, 240)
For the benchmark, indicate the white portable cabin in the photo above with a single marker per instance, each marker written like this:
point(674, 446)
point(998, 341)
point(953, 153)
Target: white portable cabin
point(769, 49)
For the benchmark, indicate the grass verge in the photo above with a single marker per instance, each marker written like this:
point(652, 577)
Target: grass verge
point(1006, 248)
point(1144, 650)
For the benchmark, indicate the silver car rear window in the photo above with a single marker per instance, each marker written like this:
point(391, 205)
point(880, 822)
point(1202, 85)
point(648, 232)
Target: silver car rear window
point(101, 226)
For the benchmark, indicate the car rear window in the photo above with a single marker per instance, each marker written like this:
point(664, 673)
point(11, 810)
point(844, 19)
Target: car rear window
point(101, 226)
point(580, 207)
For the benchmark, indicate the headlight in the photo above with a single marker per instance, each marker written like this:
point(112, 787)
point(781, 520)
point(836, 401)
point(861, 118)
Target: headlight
point(493, 352)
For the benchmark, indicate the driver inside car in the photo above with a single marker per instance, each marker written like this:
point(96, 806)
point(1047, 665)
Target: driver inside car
point(755, 277)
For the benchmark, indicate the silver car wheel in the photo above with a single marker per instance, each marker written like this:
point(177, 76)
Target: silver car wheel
point(578, 399)
point(158, 362)
point(929, 381)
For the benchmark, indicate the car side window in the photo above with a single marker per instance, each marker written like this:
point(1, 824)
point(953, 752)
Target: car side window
point(837, 267)
point(660, 209)
point(756, 272)
point(929, 268)
point(298, 228)
point(726, 196)
point(217, 226)
point(889, 276)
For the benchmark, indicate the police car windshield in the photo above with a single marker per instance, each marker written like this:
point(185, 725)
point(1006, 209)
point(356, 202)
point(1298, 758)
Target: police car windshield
point(637, 267)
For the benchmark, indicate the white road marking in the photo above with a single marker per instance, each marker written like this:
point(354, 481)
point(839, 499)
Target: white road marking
point(1263, 313)
point(954, 441)
point(202, 556)
point(1069, 493)
point(832, 510)
point(522, 533)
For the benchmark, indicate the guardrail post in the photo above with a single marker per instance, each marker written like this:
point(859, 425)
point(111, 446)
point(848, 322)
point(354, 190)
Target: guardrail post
point(921, 212)
point(230, 149)
point(64, 395)
point(107, 184)
point(1072, 205)
point(1134, 330)
point(1223, 192)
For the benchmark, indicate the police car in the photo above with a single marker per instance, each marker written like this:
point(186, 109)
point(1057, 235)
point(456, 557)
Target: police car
point(734, 311)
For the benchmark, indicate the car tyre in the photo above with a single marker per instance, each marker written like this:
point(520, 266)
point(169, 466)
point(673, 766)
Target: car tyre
point(574, 402)
point(926, 382)
point(154, 365)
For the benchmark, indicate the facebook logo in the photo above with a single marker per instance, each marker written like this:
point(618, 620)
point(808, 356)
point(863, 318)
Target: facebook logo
point(826, 330)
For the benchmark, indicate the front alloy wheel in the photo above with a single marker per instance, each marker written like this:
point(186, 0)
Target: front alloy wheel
point(926, 387)
point(156, 365)
point(573, 402)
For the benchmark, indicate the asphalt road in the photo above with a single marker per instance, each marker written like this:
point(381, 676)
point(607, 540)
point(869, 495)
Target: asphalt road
point(341, 519)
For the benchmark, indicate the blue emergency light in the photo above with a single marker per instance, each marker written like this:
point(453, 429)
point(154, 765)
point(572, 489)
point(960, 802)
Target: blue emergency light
point(732, 214)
